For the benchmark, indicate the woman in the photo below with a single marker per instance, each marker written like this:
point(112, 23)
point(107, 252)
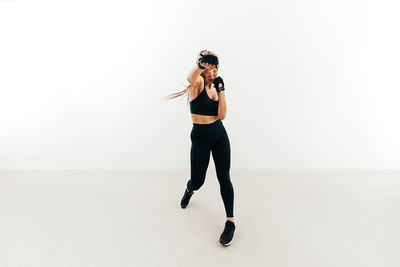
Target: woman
point(208, 108)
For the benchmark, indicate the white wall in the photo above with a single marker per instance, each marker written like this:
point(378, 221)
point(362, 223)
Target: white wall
point(309, 84)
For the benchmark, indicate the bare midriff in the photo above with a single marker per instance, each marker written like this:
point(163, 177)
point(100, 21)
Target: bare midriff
point(203, 119)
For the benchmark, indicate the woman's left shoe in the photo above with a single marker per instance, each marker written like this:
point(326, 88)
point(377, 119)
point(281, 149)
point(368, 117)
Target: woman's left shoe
point(185, 199)
point(226, 237)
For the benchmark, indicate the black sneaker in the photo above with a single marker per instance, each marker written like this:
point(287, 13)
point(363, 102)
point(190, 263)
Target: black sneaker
point(185, 199)
point(226, 237)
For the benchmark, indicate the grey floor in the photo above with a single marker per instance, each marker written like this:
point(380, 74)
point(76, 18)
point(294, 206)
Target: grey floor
point(133, 218)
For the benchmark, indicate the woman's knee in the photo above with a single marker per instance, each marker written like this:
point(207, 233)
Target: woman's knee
point(224, 179)
point(223, 174)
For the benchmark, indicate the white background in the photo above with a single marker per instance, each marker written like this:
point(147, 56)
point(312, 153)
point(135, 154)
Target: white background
point(309, 84)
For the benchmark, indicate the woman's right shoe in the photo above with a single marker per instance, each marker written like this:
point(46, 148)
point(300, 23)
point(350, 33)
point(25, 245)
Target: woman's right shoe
point(226, 237)
point(185, 199)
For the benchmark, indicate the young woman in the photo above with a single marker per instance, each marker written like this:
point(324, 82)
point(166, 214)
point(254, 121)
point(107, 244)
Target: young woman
point(208, 108)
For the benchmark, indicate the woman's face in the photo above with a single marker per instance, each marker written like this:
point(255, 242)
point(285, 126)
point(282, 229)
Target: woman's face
point(210, 74)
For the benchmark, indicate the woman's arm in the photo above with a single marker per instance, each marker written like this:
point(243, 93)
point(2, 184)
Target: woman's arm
point(194, 77)
point(221, 105)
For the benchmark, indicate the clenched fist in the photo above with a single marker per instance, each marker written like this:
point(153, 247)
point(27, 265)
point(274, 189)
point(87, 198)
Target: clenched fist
point(219, 84)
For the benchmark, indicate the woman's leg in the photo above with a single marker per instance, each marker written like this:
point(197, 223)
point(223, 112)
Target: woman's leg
point(199, 160)
point(221, 153)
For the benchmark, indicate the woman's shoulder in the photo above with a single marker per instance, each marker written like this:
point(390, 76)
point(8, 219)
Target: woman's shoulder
point(195, 91)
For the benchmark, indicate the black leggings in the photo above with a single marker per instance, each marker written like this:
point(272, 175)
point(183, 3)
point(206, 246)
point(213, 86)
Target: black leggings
point(205, 138)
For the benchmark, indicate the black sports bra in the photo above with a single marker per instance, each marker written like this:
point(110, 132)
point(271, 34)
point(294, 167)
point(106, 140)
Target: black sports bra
point(203, 104)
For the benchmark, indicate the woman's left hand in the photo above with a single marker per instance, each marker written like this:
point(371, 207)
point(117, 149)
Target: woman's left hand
point(219, 84)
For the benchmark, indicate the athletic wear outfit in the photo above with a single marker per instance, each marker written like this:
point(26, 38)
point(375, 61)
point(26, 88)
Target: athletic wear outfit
point(206, 139)
point(209, 138)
